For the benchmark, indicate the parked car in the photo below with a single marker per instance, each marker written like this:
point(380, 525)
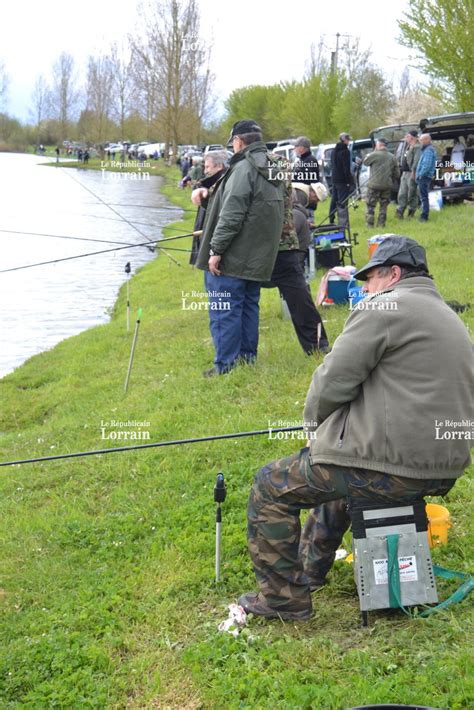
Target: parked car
point(453, 138)
point(286, 151)
point(323, 154)
point(212, 147)
point(359, 149)
point(454, 179)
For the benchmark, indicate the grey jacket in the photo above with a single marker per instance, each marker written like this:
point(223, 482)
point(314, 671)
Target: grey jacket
point(244, 217)
point(392, 377)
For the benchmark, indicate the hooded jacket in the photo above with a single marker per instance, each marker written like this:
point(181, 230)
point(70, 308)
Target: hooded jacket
point(395, 383)
point(244, 217)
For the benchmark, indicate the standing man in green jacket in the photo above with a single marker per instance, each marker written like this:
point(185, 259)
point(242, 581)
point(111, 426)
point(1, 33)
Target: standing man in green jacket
point(384, 172)
point(407, 192)
point(388, 415)
point(240, 240)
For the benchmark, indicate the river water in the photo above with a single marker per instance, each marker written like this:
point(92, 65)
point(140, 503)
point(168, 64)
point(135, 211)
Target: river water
point(43, 305)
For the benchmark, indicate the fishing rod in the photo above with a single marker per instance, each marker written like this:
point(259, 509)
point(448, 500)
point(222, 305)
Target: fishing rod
point(156, 207)
point(176, 442)
point(63, 236)
point(133, 226)
point(105, 251)
point(124, 219)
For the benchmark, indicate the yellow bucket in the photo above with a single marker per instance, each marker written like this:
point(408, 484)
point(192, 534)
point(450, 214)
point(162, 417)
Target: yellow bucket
point(438, 524)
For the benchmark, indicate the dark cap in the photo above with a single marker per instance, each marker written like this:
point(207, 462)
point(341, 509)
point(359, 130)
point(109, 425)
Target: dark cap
point(384, 141)
point(247, 125)
point(302, 142)
point(413, 133)
point(395, 250)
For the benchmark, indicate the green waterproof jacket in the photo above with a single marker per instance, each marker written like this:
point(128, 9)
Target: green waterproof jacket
point(384, 170)
point(395, 394)
point(244, 217)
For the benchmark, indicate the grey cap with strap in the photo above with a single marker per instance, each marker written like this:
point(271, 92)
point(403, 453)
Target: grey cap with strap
point(395, 250)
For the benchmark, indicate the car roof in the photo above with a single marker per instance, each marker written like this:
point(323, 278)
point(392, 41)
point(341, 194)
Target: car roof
point(449, 118)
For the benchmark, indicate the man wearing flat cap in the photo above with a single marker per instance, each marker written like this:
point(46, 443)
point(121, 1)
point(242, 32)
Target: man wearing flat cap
point(384, 174)
point(306, 167)
point(241, 234)
point(402, 363)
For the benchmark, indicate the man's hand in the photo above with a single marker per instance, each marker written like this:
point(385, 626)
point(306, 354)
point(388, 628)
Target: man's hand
point(213, 264)
point(198, 195)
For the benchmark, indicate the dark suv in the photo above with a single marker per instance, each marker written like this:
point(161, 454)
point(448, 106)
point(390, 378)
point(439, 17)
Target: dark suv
point(453, 140)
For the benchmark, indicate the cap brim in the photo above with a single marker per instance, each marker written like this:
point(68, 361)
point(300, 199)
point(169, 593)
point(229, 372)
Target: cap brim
point(361, 275)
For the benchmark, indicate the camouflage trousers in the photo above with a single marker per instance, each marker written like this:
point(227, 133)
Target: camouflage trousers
point(285, 562)
point(374, 196)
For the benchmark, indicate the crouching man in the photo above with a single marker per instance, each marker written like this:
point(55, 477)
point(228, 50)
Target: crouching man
point(402, 362)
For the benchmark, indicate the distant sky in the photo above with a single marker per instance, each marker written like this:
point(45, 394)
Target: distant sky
point(254, 41)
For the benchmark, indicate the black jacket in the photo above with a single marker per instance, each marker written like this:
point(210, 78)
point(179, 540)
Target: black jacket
point(306, 169)
point(207, 182)
point(341, 164)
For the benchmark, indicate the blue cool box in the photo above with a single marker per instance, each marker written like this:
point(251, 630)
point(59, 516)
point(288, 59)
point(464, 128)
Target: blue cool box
point(333, 237)
point(338, 291)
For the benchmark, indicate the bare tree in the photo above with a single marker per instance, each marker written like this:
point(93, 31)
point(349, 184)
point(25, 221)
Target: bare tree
point(121, 65)
point(317, 63)
point(64, 92)
point(4, 82)
point(404, 83)
point(173, 63)
point(100, 85)
point(145, 84)
point(40, 101)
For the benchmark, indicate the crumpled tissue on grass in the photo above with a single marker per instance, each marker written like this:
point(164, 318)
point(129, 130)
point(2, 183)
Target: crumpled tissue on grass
point(236, 621)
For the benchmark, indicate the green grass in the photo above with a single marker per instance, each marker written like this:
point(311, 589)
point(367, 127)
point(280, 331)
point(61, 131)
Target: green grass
point(107, 571)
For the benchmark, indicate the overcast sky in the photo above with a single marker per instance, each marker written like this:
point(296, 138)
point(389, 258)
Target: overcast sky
point(254, 41)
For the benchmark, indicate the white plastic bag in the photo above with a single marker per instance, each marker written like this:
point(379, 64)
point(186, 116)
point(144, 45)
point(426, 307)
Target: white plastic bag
point(435, 198)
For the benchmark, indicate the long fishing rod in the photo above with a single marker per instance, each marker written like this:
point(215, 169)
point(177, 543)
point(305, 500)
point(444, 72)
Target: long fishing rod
point(103, 251)
point(142, 234)
point(63, 236)
point(153, 445)
point(124, 219)
point(156, 207)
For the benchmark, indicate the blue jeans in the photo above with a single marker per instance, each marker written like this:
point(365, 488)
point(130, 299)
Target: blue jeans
point(233, 319)
point(424, 188)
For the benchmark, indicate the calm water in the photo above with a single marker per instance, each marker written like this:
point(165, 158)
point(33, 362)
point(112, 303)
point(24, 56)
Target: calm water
point(43, 305)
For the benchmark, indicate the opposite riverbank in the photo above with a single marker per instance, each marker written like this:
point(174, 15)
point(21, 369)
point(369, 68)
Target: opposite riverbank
point(107, 571)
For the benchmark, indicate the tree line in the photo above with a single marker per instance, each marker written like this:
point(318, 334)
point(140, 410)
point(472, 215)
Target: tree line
point(158, 85)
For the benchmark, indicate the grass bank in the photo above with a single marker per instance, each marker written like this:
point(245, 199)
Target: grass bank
point(107, 562)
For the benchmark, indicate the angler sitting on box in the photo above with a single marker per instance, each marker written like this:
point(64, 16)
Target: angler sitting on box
point(401, 365)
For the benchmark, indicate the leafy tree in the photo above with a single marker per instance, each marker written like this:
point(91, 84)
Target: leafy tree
point(442, 33)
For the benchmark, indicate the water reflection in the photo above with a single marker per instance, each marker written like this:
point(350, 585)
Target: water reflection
point(43, 305)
